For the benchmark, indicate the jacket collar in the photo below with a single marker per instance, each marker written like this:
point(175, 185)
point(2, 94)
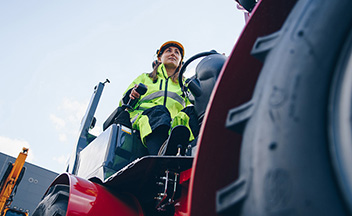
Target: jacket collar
point(162, 71)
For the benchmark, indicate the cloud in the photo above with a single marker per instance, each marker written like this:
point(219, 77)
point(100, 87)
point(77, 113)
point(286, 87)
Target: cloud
point(67, 118)
point(74, 109)
point(63, 137)
point(58, 122)
point(62, 159)
point(13, 147)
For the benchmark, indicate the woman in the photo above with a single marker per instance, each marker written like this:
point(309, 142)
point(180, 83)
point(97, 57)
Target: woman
point(164, 105)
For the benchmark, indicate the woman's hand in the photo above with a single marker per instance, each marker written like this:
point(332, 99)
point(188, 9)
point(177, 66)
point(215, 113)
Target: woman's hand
point(134, 94)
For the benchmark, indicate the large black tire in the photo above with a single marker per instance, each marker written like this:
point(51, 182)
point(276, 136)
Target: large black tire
point(287, 167)
point(54, 202)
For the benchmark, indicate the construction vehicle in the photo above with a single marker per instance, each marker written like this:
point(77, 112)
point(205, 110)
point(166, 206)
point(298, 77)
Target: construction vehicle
point(275, 136)
point(9, 183)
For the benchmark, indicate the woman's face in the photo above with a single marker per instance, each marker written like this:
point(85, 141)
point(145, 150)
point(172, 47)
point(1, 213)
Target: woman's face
point(171, 57)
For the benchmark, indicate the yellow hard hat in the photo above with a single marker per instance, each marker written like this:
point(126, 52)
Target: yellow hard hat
point(168, 44)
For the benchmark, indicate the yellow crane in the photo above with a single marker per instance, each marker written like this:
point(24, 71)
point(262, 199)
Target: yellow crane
point(9, 182)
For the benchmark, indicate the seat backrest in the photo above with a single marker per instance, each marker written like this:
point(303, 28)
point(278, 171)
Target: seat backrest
point(207, 72)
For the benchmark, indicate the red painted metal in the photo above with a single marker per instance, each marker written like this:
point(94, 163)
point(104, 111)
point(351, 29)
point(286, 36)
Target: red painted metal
point(185, 175)
point(91, 199)
point(217, 160)
point(181, 207)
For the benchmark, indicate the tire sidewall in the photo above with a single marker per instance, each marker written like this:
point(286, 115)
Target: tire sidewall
point(285, 150)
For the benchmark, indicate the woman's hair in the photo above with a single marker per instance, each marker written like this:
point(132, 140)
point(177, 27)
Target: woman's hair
point(154, 73)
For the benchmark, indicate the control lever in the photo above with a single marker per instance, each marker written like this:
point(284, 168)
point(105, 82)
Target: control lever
point(141, 89)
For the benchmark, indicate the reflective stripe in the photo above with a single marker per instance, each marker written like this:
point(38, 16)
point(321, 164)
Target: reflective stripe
point(121, 102)
point(158, 94)
point(135, 118)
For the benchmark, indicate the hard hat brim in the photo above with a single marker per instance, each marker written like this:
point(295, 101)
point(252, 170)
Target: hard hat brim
point(171, 43)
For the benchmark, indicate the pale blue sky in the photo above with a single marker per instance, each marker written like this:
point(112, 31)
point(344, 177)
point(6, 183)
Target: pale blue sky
point(53, 53)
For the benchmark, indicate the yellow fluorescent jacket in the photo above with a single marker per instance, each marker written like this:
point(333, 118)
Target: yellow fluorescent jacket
point(163, 92)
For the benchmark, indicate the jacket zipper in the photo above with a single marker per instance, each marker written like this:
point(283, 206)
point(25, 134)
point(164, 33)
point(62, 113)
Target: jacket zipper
point(166, 81)
point(165, 95)
point(161, 85)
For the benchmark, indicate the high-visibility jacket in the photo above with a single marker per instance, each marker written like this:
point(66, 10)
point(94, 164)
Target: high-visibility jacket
point(163, 92)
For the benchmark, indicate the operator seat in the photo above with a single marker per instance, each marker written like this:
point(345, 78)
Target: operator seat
point(207, 71)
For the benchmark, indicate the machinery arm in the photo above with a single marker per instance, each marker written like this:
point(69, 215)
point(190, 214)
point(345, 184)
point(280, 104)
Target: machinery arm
point(10, 180)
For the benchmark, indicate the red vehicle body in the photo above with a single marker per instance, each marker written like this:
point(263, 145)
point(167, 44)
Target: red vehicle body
point(285, 188)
